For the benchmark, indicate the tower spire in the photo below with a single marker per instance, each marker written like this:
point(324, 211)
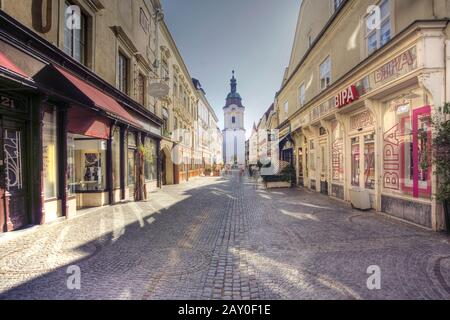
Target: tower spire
point(233, 84)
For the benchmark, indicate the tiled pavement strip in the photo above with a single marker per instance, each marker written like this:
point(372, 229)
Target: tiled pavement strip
point(222, 238)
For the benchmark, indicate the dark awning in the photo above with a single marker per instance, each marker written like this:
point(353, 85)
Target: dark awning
point(62, 81)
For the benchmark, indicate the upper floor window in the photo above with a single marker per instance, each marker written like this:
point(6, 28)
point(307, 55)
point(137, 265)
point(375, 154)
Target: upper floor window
point(165, 116)
point(75, 36)
point(141, 81)
point(301, 95)
point(378, 32)
point(145, 24)
point(337, 4)
point(325, 74)
point(233, 119)
point(164, 70)
point(175, 87)
point(123, 73)
point(286, 107)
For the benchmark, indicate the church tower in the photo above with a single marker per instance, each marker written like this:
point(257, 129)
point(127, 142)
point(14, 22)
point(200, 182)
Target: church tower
point(234, 132)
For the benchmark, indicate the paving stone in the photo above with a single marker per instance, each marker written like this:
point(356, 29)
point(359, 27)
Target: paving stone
point(218, 238)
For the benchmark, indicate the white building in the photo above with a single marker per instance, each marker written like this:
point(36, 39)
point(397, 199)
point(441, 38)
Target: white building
point(234, 132)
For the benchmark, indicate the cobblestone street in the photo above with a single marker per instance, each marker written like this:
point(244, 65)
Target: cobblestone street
point(222, 238)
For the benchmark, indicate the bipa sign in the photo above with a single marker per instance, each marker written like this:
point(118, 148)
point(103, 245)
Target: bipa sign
point(346, 97)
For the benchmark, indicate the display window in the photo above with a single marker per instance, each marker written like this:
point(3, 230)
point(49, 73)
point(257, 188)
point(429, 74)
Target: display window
point(131, 159)
point(337, 150)
point(89, 164)
point(151, 158)
point(369, 161)
point(71, 179)
point(356, 154)
point(312, 156)
point(50, 153)
point(116, 158)
point(407, 148)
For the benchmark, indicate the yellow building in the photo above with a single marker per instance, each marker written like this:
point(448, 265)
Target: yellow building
point(364, 80)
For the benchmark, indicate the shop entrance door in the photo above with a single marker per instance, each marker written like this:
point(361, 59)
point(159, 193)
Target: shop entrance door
point(324, 168)
point(363, 161)
point(163, 168)
point(301, 178)
point(13, 179)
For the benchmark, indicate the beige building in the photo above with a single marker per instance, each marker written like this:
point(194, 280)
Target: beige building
point(364, 80)
point(181, 160)
point(83, 70)
point(207, 137)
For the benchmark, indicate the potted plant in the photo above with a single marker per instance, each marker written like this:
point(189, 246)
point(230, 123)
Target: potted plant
point(441, 152)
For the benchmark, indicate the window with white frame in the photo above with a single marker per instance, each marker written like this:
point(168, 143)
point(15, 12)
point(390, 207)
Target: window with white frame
point(337, 4)
point(286, 108)
point(378, 33)
point(75, 39)
point(301, 95)
point(123, 72)
point(325, 74)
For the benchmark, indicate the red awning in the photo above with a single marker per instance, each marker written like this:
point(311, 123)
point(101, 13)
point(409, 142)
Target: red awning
point(87, 123)
point(98, 98)
point(7, 64)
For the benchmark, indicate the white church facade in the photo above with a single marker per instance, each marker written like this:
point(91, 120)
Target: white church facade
point(234, 132)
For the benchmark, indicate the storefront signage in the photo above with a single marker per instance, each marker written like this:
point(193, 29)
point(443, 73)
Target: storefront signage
point(361, 121)
point(284, 132)
point(402, 64)
point(322, 110)
point(346, 97)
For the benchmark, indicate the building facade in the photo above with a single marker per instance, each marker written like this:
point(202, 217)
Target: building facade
point(356, 104)
point(79, 127)
point(207, 125)
point(234, 131)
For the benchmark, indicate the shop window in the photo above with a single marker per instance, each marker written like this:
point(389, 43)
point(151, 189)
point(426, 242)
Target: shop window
point(131, 159)
point(50, 153)
point(325, 74)
point(90, 161)
point(324, 159)
point(407, 150)
point(116, 158)
point(75, 38)
point(337, 152)
point(71, 179)
point(151, 158)
point(369, 161)
point(355, 161)
point(312, 156)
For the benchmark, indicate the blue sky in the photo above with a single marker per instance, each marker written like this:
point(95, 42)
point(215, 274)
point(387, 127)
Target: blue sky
point(253, 37)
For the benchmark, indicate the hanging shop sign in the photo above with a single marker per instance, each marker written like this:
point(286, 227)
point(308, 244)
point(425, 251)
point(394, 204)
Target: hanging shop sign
point(158, 90)
point(346, 97)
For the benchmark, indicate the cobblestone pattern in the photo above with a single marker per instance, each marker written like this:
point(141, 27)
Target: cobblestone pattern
point(226, 238)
